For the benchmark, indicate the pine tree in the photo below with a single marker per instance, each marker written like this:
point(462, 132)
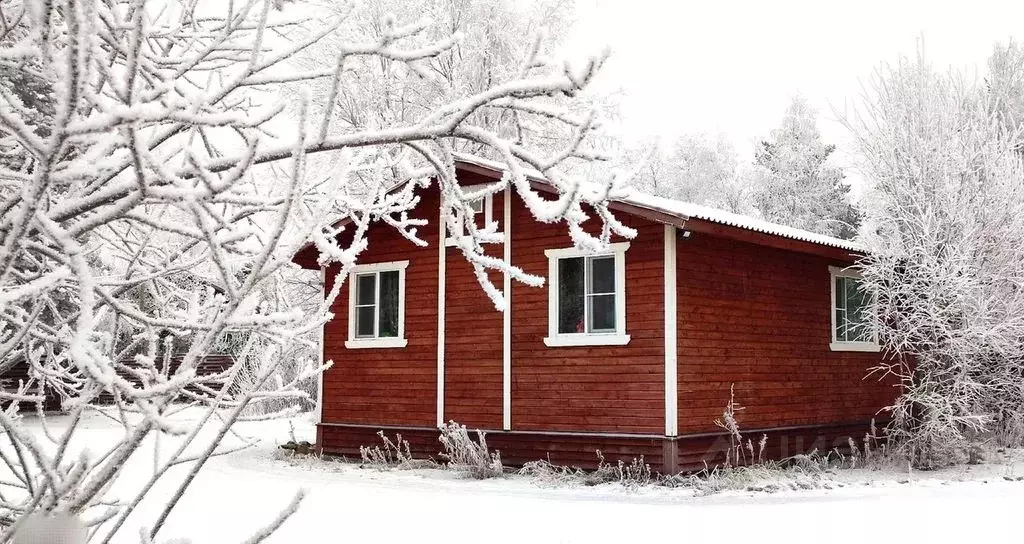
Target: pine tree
point(799, 187)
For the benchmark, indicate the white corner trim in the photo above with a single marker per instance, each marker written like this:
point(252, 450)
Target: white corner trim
point(367, 343)
point(564, 340)
point(619, 337)
point(320, 381)
point(671, 344)
point(376, 342)
point(506, 324)
point(440, 315)
point(854, 346)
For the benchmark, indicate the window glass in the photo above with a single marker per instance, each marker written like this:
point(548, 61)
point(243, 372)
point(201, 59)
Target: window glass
point(571, 295)
point(852, 323)
point(602, 274)
point(602, 313)
point(477, 205)
point(366, 289)
point(364, 321)
point(388, 304)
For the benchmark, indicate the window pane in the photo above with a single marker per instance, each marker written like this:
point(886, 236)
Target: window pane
point(388, 304)
point(602, 275)
point(840, 325)
point(602, 313)
point(364, 322)
point(477, 205)
point(366, 286)
point(856, 312)
point(840, 301)
point(570, 295)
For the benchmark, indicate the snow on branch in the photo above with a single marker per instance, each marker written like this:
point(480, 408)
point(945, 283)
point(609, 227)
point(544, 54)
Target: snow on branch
point(155, 184)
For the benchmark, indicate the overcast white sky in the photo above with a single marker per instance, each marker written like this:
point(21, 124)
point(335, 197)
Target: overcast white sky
point(732, 66)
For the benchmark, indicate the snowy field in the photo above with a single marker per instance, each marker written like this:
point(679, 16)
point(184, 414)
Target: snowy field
point(240, 491)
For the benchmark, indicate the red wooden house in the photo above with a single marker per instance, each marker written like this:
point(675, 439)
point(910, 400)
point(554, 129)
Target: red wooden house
point(631, 352)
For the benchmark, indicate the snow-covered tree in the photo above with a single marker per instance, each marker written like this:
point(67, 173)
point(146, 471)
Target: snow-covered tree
point(945, 229)
point(799, 187)
point(696, 168)
point(496, 42)
point(1005, 82)
point(153, 208)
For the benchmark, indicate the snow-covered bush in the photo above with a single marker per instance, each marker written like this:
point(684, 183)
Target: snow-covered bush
point(632, 475)
point(154, 183)
point(390, 454)
point(945, 230)
point(463, 454)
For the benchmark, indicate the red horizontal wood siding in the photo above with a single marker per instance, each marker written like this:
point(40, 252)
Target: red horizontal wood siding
point(758, 319)
point(593, 388)
point(473, 340)
point(666, 455)
point(386, 386)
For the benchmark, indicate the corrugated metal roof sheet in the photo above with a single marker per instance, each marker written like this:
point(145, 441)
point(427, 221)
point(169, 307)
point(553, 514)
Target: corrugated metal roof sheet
point(688, 210)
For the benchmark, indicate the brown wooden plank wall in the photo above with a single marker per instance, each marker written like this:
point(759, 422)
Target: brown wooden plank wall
point(473, 337)
point(759, 318)
point(591, 388)
point(386, 386)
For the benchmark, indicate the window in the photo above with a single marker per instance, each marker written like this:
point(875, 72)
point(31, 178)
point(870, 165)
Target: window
point(483, 212)
point(587, 297)
point(853, 325)
point(376, 313)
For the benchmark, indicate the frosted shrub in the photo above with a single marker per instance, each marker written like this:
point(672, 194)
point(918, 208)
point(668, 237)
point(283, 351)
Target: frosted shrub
point(391, 455)
point(463, 454)
point(945, 218)
point(545, 472)
point(632, 475)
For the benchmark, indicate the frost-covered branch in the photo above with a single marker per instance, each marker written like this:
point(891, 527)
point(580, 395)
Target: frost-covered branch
point(155, 183)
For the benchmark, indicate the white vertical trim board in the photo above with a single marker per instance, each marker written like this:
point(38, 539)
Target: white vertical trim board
point(671, 344)
point(441, 250)
point(320, 381)
point(506, 351)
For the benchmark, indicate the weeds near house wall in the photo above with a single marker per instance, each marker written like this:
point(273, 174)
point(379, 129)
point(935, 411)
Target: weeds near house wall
point(739, 452)
point(463, 454)
point(391, 455)
point(634, 474)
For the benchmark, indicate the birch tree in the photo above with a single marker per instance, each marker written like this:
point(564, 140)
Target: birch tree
point(168, 186)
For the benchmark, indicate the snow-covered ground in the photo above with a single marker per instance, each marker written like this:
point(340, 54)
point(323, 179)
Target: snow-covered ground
point(238, 492)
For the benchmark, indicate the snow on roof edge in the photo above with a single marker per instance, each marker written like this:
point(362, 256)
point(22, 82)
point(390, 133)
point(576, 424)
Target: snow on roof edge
point(688, 210)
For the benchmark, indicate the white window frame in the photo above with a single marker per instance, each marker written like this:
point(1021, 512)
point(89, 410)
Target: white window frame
point(488, 211)
point(618, 337)
point(845, 345)
point(389, 342)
